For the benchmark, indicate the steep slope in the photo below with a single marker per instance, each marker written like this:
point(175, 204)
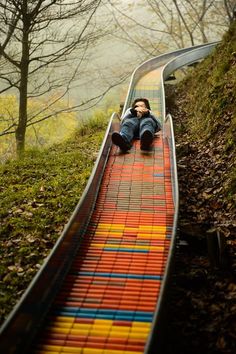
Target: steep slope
point(37, 196)
point(202, 303)
point(209, 117)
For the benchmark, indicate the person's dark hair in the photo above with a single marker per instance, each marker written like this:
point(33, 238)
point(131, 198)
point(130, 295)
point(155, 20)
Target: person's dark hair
point(145, 100)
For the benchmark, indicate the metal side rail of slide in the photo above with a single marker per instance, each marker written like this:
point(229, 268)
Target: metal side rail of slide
point(102, 288)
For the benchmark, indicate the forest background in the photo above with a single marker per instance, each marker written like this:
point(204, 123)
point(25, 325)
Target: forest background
point(60, 61)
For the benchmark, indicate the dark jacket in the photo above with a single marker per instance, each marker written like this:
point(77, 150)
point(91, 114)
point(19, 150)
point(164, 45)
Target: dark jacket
point(131, 113)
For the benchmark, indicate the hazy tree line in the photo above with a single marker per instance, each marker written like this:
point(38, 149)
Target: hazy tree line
point(45, 45)
point(173, 24)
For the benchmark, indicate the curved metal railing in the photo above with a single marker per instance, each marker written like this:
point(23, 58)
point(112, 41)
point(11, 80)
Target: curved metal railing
point(23, 321)
point(157, 337)
point(151, 64)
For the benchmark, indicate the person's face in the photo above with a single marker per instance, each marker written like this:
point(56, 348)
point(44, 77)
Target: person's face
point(140, 108)
point(140, 104)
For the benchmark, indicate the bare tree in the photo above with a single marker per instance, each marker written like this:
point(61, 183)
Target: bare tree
point(230, 9)
point(43, 44)
point(171, 24)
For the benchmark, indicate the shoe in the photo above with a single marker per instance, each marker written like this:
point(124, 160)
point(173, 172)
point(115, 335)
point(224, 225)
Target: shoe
point(120, 141)
point(146, 140)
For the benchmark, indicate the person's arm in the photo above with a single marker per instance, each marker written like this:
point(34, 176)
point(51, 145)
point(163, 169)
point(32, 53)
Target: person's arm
point(156, 119)
point(129, 113)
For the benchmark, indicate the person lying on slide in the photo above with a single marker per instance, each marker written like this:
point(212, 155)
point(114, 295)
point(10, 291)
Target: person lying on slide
point(138, 121)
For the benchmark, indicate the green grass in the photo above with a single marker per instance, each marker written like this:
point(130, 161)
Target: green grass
point(211, 90)
point(211, 95)
point(37, 197)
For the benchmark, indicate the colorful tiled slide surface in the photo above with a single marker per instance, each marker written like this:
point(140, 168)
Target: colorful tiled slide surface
point(108, 299)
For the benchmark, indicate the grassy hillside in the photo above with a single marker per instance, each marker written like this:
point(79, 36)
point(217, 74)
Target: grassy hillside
point(37, 197)
point(212, 92)
point(207, 99)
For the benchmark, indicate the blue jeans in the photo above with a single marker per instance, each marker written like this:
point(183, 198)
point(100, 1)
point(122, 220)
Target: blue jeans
point(134, 127)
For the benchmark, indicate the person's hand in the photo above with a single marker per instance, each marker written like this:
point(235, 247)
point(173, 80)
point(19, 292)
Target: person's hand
point(141, 111)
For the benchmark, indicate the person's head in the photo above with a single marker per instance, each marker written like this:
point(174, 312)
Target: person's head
point(141, 101)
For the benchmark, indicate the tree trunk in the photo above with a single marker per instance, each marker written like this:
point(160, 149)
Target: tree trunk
point(21, 128)
point(23, 90)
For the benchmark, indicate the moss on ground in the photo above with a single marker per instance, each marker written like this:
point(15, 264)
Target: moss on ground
point(210, 103)
point(37, 196)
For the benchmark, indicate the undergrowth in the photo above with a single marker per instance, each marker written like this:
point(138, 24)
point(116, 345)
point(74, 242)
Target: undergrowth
point(211, 90)
point(37, 197)
point(210, 102)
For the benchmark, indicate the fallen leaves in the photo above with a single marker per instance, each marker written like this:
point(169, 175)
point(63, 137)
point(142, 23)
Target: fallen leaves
point(203, 298)
point(37, 197)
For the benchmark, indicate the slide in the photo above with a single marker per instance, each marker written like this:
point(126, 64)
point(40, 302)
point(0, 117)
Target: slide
point(103, 288)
